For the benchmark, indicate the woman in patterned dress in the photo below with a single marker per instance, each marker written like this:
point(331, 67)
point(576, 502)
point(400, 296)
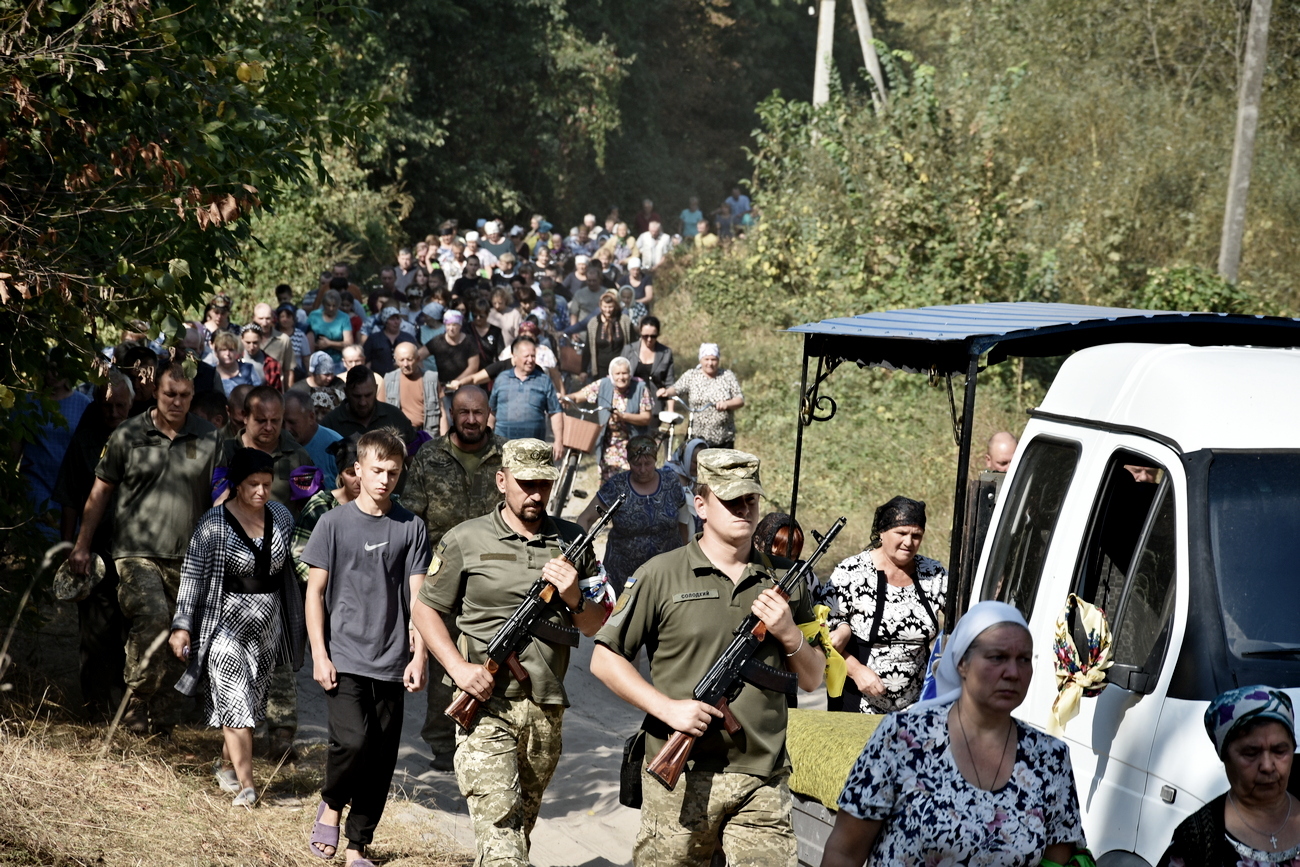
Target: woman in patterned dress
point(885, 605)
point(957, 780)
point(713, 395)
point(227, 625)
point(651, 521)
point(624, 403)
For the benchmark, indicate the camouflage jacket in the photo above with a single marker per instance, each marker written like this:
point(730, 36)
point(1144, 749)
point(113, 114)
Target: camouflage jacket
point(438, 490)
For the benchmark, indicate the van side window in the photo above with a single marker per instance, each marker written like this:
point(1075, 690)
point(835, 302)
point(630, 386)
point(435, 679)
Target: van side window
point(1141, 624)
point(1126, 567)
point(1024, 534)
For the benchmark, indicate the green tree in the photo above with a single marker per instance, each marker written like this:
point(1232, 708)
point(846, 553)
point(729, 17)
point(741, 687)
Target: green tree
point(136, 142)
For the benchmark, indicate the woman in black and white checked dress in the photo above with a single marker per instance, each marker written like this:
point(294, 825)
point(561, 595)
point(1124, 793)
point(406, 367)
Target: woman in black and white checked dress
point(231, 589)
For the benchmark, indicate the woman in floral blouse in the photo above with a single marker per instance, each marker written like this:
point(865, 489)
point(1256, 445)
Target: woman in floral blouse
point(884, 606)
point(957, 780)
point(713, 395)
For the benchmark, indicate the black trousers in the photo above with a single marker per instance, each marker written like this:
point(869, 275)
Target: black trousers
point(365, 730)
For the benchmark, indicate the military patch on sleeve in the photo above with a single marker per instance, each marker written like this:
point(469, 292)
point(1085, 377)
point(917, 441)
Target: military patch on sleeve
point(434, 565)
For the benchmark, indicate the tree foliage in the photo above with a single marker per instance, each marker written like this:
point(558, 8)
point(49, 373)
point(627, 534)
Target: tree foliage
point(919, 205)
point(136, 142)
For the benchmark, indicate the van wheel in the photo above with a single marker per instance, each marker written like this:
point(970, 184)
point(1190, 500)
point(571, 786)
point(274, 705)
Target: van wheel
point(1120, 858)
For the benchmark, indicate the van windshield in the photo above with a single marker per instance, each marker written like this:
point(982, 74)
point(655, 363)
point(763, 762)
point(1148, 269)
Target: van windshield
point(1254, 505)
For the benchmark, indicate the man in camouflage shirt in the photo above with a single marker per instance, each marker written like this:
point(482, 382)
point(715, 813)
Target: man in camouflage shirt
point(453, 479)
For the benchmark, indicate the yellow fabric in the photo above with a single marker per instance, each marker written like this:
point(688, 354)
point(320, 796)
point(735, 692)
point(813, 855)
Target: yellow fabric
point(823, 748)
point(1078, 669)
point(818, 632)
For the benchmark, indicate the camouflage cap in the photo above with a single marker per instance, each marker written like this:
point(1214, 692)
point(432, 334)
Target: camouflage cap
point(729, 473)
point(529, 459)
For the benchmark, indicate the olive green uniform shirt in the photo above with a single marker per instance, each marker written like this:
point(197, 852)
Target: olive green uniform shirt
point(440, 490)
point(163, 485)
point(683, 610)
point(342, 421)
point(486, 569)
point(288, 456)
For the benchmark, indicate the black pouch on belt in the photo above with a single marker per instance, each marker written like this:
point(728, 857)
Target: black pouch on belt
point(629, 773)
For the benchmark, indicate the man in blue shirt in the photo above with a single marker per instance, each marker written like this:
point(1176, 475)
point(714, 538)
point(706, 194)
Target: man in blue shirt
point(739, 204)
point(300, 420)
point(523, 397)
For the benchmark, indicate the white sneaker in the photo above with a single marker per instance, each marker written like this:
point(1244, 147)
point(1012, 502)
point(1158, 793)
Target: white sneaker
point(227, 779)
point(245, 798)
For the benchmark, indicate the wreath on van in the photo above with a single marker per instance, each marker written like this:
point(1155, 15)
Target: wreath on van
point(1083, 654)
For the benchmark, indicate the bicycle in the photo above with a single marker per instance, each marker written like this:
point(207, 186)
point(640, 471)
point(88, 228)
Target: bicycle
point(668, 421)
point(579, 436)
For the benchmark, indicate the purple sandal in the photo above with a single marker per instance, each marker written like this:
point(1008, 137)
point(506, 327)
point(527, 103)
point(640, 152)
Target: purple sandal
point(326, 835)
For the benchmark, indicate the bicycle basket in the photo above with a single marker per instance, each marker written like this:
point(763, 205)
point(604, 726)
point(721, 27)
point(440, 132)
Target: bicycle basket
point(580, 434)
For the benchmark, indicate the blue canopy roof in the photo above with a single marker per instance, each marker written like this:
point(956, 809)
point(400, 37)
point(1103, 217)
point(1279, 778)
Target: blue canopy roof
point(946, 338)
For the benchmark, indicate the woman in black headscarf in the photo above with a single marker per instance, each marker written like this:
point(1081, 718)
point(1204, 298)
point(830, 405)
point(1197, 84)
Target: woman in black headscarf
point(238, 613)
point(885, 605)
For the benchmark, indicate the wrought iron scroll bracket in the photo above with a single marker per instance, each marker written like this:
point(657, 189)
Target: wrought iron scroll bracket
point(819, 407)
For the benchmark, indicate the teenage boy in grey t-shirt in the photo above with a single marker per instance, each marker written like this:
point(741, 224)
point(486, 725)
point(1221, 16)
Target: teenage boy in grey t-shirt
point(366, 559)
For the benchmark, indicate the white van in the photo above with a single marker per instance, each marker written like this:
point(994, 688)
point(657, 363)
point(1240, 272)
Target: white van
point(1160, 481)
point(1162, 484)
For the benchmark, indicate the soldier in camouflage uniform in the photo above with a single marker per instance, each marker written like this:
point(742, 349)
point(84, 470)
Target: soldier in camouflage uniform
point(453, 479)
point(683, 606)
point(483, 568)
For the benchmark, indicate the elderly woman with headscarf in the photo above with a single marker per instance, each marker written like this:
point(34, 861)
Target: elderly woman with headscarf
point(623, 407)
point(321, 385)
point(713, 395)
point(649, 521)
point(1256, 821)
point(885, 605)
point(957, 780)
point(238, 613)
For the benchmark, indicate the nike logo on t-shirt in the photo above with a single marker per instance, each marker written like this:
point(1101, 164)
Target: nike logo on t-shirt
point(370, 547)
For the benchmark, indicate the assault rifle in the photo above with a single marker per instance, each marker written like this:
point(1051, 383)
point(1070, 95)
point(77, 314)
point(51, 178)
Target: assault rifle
point(726, 678)
point(528, 620)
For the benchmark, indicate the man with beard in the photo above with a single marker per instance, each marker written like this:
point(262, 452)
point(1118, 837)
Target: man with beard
point(451, 480)
point(481, 572)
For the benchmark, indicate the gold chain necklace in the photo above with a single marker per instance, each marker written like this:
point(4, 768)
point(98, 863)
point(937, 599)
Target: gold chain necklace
point(975, 765)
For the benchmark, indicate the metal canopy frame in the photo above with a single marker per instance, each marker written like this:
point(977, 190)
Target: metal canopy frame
point(964, 338)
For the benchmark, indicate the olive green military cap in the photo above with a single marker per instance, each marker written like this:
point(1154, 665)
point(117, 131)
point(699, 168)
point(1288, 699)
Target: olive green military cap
point(529, 459)
point(729, 473)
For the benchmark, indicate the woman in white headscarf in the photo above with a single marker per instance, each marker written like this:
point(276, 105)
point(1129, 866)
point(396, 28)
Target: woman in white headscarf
point(958, 780)
point(713, 395)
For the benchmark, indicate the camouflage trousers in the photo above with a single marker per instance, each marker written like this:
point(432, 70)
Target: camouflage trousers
point(503, 765)
point(439, 730)
point(682, 827)
point(146, 593)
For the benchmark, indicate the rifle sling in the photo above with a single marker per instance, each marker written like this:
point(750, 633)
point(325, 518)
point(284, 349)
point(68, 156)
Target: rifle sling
point(767, 677)
point(555, 633)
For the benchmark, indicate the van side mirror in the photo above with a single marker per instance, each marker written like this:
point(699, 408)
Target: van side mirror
point(1134, 678)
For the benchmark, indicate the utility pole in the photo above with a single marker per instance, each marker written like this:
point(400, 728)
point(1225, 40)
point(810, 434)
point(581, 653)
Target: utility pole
point(878, 97)
point(825, 41)
point(1243, 147)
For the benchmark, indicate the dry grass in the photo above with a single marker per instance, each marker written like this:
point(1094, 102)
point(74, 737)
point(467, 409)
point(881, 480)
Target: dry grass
point(154, 802)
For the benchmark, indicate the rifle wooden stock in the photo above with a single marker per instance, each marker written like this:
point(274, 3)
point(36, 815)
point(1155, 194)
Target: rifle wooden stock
point(669, 762)
point(465, 707)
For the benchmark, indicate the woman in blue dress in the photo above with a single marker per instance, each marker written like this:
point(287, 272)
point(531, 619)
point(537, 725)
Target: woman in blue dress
point(649, 522)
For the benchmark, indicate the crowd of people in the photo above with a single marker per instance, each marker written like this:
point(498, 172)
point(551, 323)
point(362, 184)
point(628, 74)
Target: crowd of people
point(368, 478)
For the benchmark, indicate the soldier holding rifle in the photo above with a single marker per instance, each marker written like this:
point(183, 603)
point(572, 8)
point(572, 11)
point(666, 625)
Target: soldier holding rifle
point(682, 606)
point(485, 568)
